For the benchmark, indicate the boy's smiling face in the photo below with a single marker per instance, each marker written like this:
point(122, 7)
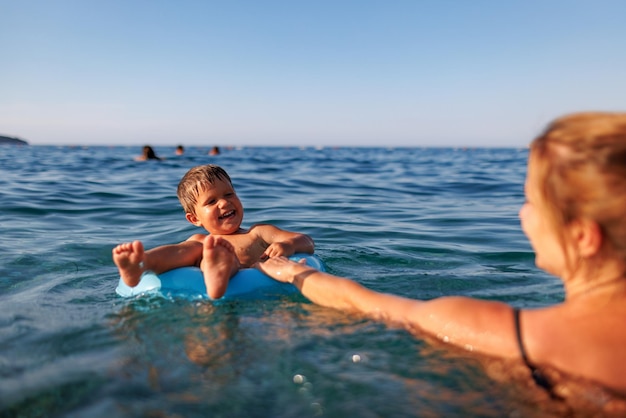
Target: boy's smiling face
point(218, 209)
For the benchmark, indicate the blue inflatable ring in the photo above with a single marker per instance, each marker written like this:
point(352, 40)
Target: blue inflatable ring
point(189, 281)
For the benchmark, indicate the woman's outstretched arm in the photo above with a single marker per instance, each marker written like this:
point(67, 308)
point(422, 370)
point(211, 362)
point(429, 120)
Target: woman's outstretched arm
point(476, 325)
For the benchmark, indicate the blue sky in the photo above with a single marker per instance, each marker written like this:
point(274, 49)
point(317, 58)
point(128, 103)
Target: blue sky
point(342, 72)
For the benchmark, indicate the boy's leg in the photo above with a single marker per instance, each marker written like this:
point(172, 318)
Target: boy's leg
point(219, 264)
point(128, 257)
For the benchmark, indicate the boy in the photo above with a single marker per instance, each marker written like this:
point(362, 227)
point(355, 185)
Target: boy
point(209, 200)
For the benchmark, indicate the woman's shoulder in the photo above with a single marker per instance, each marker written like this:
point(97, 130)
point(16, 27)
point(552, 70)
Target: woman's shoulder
point(586, 343)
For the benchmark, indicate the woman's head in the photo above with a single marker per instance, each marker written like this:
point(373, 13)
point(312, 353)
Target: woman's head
point(148, 153)
point(197, 179)
point(579, 166)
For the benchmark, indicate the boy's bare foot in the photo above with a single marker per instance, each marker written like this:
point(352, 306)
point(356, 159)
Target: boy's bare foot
point(219, 264)
point(128, 257)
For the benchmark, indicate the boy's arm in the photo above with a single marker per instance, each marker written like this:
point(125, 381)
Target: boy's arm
point(167, 257)
point(284, 243)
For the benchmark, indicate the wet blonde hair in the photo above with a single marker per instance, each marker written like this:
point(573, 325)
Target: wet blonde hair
point(581, 166)
point(197, 179)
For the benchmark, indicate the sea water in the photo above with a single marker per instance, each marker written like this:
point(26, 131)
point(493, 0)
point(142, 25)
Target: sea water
point(417, 222)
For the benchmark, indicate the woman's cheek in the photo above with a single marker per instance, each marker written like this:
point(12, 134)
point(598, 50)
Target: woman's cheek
point(524, 215)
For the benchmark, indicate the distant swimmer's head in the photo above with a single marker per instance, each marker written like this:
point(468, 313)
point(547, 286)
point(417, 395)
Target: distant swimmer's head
point(578, 165)
point(149, 154)
point(196, 180)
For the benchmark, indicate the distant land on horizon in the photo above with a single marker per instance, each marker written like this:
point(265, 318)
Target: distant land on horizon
point(12, 140)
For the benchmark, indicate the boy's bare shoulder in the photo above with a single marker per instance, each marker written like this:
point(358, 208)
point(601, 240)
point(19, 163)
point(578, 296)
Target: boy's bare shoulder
point(263, 231)
point(262, 228)
point(197, 237)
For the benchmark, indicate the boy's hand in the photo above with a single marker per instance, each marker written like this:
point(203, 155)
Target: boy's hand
point(278, 249)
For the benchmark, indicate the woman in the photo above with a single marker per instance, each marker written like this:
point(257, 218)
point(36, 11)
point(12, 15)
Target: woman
point(148, 154)
point(575, 219)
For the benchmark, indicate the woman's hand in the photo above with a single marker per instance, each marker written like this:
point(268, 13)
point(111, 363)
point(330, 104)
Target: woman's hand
point(282, 269)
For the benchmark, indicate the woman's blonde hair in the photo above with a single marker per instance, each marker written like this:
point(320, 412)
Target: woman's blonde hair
point(196, 180)
point(581, 166)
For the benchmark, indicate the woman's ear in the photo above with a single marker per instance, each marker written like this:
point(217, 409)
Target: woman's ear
point(587, 236)
point(191, 217)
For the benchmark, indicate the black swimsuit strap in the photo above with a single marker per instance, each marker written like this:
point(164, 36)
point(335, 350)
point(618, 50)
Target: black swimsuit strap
point(538, 377)
point(518, 334)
